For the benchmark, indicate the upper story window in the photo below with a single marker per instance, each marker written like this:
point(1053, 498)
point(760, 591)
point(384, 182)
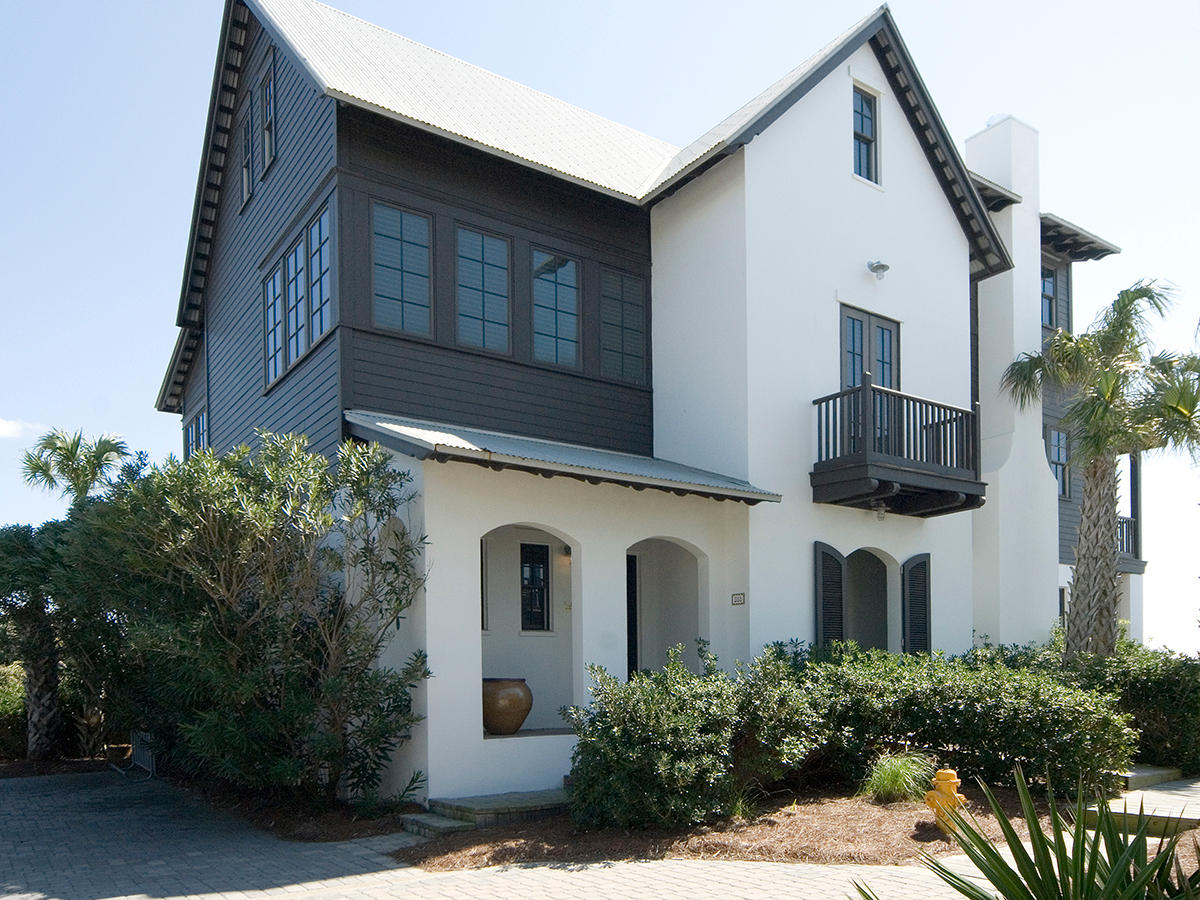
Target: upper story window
point(535, 587)
point(622, 327)
point(866, 163)
point(195, 434)
point(870, 343)
point(298, 297)
point(401, 269)
point(482, 290)
point(555, 309)
point(248, 152)
point(1049, 296)
point(1059, 452)
point(267, 93)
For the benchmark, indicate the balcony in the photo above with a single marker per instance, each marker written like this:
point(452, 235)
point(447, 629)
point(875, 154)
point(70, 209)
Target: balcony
point(887, 451)
point(1129, 546)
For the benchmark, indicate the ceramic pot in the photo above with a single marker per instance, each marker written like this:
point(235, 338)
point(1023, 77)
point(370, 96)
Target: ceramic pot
point(506, 703)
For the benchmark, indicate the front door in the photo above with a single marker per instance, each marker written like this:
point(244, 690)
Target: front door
point(631, 612)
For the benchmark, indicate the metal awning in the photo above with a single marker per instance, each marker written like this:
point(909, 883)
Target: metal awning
point(1072, 241)
point(497, 450)
point(995, 197)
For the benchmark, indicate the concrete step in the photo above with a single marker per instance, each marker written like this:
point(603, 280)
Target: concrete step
point(501, 809)
point(432, 825)
point(1141, 777)
point(1168, 807)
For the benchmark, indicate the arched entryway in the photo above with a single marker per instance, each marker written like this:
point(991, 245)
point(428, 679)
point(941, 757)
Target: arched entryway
point(866, 615)
point(662, 595)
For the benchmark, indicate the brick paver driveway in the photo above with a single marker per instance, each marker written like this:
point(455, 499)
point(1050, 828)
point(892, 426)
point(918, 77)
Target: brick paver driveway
point(85, 837)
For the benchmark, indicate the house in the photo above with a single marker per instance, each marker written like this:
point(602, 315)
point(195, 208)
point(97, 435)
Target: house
point(745, 389)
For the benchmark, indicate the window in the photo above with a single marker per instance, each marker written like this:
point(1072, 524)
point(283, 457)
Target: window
point(870, 343)
point(865, 161)
point(622, 327)
point(298, 297)
point(248, 152)
point(273, 294)
point(401, 266)
point(555, 309)
point(535, 587)
point(1049, 295)
point(482, 290)
point(195, 435)
point(268, 114)
point(1059, 457)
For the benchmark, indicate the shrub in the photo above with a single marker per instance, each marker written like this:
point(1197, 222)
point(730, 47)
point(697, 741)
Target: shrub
point(12, 711)
point(898, 776)
point(654, 751)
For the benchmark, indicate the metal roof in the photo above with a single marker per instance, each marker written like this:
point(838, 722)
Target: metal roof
point(1072, 241)
point(444, 442)
point(996, 197)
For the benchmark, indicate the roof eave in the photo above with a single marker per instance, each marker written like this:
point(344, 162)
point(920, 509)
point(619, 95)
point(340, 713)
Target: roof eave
point(1076, 243)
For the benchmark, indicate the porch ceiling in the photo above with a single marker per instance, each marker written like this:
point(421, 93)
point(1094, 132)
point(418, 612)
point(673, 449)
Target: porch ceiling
point(445, 442)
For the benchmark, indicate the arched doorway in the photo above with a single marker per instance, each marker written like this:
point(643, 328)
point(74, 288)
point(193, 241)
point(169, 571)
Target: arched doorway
point(866, 600)
point(662, 603)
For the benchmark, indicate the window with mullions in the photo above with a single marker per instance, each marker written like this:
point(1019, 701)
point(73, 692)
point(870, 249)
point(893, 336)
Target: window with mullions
point(870, 343)
point(268, 114)
point(535, 587)
point(555, 309)
point(248, 152)
point(622, 327)
point(1049, 295)
point(273, 297)
point(1059, 452)
point(298, 298)
point(482, 290)
point(296, 310)
point(865, 161)
point(320, 276)
point(401, 269)
point(195, 435)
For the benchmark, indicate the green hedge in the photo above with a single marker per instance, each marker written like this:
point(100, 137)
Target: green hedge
point(12, 712)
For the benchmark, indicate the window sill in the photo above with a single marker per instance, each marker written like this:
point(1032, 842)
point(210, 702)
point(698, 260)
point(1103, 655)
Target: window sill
point(292, 366)
point(536, 633)
point(868, 182)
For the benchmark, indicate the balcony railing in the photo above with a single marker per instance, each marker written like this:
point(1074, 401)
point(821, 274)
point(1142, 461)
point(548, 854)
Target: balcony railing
point(889, 426)
point(1127, 536)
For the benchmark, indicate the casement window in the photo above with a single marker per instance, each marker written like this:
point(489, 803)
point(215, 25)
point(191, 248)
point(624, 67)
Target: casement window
point(298, 298)
point(555, 309)
point(866, 162)
point(195, 434)
point(247, 152)
point(870, 343)
point(401, 256)
point(535, 587)
point(1058, 449)
point(622, 327)
point(482, 290)
point(1049, 296)
point(267, 94)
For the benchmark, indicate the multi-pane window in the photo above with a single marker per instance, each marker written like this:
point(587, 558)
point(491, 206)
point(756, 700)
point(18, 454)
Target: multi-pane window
point(296, 312)
point(248, 152)
point(1059, 450)
point(535, 587)
point(482, 290)
point(195, 435)
point(320, 275)
point(268, 114)
point(401, 265)
point(852, 340)
point(298, 298)
point(870, 343)
point(622, 327)
point(865, 162)
point(555, 309)
point(273, 319)
point(1049, 295)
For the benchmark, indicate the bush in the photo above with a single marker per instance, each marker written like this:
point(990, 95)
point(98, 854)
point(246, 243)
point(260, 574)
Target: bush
point(654, 751)
point(898, 776)
point(12, 712)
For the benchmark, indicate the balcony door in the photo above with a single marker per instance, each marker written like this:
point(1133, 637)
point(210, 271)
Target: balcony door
point(870, 343)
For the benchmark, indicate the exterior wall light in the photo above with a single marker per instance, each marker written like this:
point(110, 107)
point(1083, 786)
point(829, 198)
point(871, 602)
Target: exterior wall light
point(878, 269)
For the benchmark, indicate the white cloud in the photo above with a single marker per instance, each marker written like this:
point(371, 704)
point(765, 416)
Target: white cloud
point(15, 428)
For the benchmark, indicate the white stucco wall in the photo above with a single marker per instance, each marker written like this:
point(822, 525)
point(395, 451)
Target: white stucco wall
point(668, 614)
point(1016, 541)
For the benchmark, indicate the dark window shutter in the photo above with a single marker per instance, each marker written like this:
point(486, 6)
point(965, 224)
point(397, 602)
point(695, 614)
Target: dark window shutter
point(830, 567)
point(915, 580)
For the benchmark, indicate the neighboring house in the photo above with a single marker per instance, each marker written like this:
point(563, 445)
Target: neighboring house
point(745, 389)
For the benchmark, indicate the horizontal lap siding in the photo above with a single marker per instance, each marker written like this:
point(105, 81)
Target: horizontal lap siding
point(1054, 406)
point(306, 399)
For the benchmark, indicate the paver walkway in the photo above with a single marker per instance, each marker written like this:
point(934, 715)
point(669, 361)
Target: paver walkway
point(85, 837)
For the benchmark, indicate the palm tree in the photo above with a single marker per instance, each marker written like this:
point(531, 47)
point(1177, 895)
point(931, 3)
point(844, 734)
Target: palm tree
point(72, 463)
point(1125, 399)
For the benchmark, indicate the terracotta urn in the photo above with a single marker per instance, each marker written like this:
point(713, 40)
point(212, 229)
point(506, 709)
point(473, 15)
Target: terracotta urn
point(506, 703)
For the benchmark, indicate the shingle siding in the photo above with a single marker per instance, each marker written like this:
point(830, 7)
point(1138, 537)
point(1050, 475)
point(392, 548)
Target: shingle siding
point(248, 242)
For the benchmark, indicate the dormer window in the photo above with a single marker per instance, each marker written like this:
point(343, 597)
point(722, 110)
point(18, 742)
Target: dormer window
point(866, 164)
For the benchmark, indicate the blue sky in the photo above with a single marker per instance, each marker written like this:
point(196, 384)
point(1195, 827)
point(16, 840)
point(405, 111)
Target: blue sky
point(104, 104)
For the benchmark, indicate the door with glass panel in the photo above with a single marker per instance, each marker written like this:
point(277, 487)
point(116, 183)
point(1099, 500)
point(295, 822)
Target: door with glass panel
point(871, 343)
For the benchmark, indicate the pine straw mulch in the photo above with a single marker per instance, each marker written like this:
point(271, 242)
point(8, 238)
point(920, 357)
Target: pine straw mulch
point(818, 827)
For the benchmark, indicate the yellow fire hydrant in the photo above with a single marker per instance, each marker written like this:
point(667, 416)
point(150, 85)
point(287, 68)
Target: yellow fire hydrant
point(945, 796)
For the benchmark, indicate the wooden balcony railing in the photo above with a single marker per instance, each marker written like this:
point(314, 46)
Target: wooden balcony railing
point(881, 424)
point(1127, 536)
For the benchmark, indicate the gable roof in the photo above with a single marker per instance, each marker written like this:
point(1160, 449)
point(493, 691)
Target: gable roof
point(367, 66)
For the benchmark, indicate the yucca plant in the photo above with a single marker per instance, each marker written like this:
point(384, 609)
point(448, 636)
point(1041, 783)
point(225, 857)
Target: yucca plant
point(1072, 862)
point(898, 776)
